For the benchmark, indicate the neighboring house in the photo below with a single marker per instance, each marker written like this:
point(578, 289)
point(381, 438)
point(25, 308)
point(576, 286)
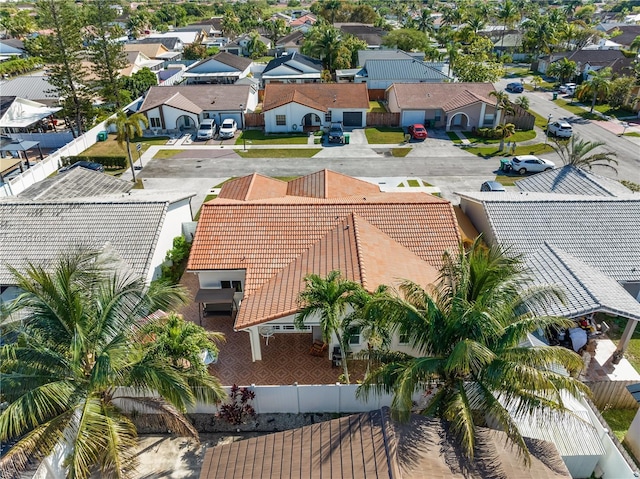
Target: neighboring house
point(212, 26)
point(604, 44)
point(510, 44)
point(369, 34)
point(293, 68)
point(137, 60)
point(371, 445)
point(184, 107)
point(31, 87)
point(262, 236)
point(154, 51)
point(587, 244)
point(304, 106)
point(11, 48)
point(303, 23)
point(589, 60)
point(624, 34)
point(290, 43)
point(196, 35)
point(462, 106)
point(172, 43)
point(240, 45)
point(139, 227)
point(381, 74)
point(222, 68)
point(21, 115)
point(365, 55)
point(570, 180)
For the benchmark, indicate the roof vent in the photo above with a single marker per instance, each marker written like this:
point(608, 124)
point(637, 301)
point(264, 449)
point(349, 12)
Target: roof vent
point(334, 98)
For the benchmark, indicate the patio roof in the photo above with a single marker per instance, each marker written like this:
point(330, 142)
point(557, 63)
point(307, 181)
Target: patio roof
point(7, 164)
point(18, 145)
point(215, 296)
point(23, 113)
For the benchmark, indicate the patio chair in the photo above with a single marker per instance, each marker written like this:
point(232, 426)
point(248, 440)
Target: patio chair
point(318, 348)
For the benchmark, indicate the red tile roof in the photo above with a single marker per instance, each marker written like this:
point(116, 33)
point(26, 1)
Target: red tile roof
point(319, 96)
point(329, 184)
point(447, 96)
point(267, 236)
point(253, 187)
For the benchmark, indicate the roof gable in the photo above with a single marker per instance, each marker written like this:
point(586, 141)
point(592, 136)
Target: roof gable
point(295, 62)
point(197, 98)
point(221, 62)
point(329, 184)
point(440, 95)
point(253, 187)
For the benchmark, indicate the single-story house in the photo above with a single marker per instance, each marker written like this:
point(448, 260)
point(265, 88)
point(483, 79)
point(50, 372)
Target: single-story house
point(19, 115)
point(240, 45)
point(365, 55)
point(302, 106)
point(136, 61)
point(587, 244)
point(11, 48)
point(183, 107)
point(624, 34)
point(172, 43)
point(139, 227)
point(462, 106)
point(368, 33)
point(32, 87)
point(371, 445)
point(293, 68)
point(290, 43)
point(194, 35)
point(381, 74)
point(590, 60)
point(222, 68)
point(154, 51)
point(303, 23)
point(262, 236)
point(212, 26)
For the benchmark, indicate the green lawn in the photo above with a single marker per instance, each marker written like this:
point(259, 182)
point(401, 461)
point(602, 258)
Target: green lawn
point(507, 180)
point(454, 137)
point(541, 121)
point(605, 109)
point(575, 109)
point(257, 137)
point(381, 135)
point(111, 147)
point(619, 420)
point(633, 133)
point(517, 72)
point(633, 350)
point(164, 154)
point(377, 107)
point(413, 183)
point(400, 152)
point(278, 153)
point(517, 137)
point(490, 151)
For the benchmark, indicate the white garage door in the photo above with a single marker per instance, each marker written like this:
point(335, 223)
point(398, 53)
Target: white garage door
point(409, 117)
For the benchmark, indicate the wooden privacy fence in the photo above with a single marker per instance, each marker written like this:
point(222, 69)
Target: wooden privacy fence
point(376, 94)
point(521, 118)
point(383, 119)
point(612, 394)
point(253, 120)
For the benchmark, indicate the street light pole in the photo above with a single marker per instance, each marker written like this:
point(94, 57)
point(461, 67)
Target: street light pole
point(546, 132)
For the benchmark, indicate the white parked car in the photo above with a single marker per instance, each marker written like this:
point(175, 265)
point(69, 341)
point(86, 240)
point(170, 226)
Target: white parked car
point(568, 88)
point(228, 128)
point(207, 129)
point(530, 164)
point(561, 129)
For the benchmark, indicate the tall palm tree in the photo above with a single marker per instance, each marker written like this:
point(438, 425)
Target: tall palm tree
point(505, 130)
point(508, 13)
point(635, 44)
point(502, 103)
point(576, 151)
point(563, 70)
point(323, 42)
point(467, 330)
point(596, 86)
point(424, 23)
point(128, 128)
point(78, 354)
point(329, 298)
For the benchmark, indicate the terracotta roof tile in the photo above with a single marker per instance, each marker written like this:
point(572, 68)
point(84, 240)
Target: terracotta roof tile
point(319, 96)
point(353, 247)
point(437, 95)
point(253, 187)
point(329, 184)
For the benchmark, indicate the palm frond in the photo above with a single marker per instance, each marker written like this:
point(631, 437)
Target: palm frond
point(161, 413)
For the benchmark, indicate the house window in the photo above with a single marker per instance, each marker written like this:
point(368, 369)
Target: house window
point(327, 116)
point(237, 285)
point(155, 122)
point(281, 120)
point(437, 118)
point(488, 119)
point(354, 338)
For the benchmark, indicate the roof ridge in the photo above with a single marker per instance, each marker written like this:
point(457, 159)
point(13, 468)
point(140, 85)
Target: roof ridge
point(356, 233)
point(252, 182)
point(570, 270)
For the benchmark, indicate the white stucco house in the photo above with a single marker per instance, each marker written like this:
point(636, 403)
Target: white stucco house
point(308, 107)
point(222, 68)
point(184, 107)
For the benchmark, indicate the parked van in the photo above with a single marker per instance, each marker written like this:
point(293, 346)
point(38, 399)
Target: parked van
point(207, 129)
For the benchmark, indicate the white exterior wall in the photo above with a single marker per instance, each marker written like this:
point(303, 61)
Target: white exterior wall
point(177, 214)
point(294, 113)
point(171, 116)
point(477, 215)
point(212, 279)
point(336, 114)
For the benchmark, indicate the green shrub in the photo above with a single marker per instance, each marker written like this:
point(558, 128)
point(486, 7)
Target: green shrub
point(175, 261)
point(489, 133)
point(109, 162)
point(19, 66)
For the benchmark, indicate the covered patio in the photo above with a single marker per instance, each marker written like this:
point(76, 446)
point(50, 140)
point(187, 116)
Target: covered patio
point(285, 360)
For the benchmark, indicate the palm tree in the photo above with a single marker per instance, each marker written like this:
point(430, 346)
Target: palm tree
point(536, 80)
point(597, 85)
point(523, 102)
point(635, 44)
point(504, 131)
point(329, 298)
point(79, 360)
point(574, 152)
point(323, 42)
point(467, 330)
point(563, 70)
point(333, 6)
point(508, 13)
point(502, 103)
point(128, 128)
point(424, 23)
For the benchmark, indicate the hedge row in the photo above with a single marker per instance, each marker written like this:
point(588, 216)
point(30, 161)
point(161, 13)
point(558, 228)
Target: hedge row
point(19, 65)
point(109, 162)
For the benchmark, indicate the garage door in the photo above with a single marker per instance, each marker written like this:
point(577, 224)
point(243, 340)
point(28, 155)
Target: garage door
point(352, 118)
point(409, 117)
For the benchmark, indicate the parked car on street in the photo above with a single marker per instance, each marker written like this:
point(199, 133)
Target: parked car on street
point(561, 129)
point(336, 133)
point(207, 129)
point(567, 88)
point(417, 131)
point(228, 128)
point(492, 186)
point(515, 87)
point(89, 165)
point(530, 164)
